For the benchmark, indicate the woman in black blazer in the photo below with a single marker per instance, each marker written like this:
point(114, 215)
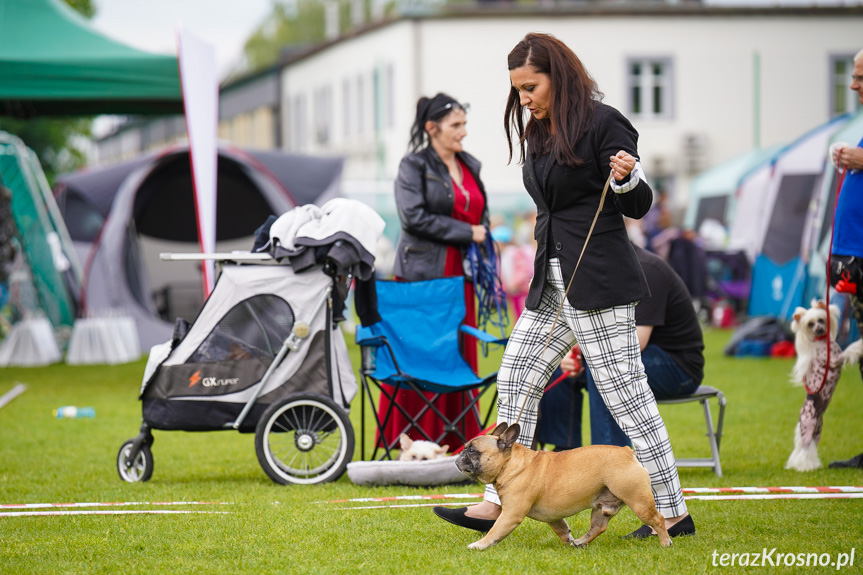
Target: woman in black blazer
point(567, 146)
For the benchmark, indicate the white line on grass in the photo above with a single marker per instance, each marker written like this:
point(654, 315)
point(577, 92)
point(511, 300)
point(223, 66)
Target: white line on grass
point(12, 394)
point(723, 490)
point(113, 512)
point(106, 504)
point(741, 497)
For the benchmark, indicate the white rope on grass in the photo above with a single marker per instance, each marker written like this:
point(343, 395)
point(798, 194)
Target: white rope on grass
point(105, 504)
point(12, 394)
point(691, 490)
point(113, 512)
point(741, 497)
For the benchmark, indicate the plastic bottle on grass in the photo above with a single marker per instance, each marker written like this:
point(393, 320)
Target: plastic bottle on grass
point(71, 412)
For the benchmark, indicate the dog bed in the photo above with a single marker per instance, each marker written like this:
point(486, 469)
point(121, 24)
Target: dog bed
point(417, 473)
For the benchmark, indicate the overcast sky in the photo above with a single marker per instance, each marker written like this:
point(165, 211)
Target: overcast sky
point(151, 24)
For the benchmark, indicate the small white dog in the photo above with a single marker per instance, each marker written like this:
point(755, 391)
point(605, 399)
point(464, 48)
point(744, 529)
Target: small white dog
point(810, 341)
point(420, 450)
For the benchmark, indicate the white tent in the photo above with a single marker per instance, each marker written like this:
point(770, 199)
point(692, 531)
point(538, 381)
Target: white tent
point(771, 220)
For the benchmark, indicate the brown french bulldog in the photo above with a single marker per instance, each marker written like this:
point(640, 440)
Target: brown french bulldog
point(548, 486)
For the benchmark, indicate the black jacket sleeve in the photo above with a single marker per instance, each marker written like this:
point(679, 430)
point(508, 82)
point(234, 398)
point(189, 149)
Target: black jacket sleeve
point(616, 133)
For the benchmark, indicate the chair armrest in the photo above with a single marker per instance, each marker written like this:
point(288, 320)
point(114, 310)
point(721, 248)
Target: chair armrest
point(483, 336)
point(372, 341)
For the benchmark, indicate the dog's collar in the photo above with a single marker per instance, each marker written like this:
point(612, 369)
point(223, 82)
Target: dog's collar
point(821, 337)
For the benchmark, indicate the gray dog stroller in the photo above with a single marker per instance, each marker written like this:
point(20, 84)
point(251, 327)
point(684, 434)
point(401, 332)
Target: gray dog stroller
point(265, 356)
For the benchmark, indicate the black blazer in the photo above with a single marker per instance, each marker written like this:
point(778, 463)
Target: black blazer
point(566, 201)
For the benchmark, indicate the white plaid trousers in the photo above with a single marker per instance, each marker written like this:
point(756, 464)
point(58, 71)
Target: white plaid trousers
point(609, 345)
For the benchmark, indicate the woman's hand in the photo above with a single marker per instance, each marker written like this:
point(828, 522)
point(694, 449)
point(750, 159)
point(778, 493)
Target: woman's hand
point(478, 233)
point(622, 165)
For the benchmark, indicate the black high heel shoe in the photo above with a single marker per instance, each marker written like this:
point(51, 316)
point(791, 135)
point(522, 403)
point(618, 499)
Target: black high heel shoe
point(458, 517)
point(685, 526)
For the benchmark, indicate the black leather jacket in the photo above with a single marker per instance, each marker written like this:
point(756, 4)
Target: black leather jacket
point(424, 198)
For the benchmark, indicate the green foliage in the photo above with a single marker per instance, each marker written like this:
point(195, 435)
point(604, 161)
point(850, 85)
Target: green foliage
point(299, 529)
point(285, 27)
point(57, 142)
point(85, 7)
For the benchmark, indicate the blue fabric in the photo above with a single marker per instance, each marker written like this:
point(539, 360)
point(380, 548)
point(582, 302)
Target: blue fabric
point(848, 229)
point(665, 379)
point(776, 289)
point(420, 322)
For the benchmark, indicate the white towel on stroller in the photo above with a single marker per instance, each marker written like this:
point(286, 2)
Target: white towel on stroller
point(313, 225)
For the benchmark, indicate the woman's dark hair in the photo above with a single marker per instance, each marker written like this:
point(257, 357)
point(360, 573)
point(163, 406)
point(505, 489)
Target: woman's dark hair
point(434, 109)
point(574, 97)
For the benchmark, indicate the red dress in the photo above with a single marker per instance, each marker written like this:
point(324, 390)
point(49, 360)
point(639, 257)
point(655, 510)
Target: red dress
point(469, 207)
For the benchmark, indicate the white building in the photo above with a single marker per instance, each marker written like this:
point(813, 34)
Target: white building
point(701, 84)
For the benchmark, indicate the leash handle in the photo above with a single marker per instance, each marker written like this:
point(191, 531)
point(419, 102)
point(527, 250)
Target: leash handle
point(566, 293)
point(827, 297)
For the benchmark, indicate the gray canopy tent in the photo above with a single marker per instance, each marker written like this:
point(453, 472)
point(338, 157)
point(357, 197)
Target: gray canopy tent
point(121, 217)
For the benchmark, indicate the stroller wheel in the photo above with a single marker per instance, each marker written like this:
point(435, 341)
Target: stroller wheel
point(304, 439)
point(141, 469)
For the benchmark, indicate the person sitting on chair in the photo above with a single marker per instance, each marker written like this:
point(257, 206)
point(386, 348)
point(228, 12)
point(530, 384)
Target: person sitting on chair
point(672, 347)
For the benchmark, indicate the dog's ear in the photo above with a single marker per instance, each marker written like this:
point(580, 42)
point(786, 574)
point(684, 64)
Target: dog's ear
point(510, 435)
point(798, 313)
point(820, 304)
point(405, 442)
point(498, 431)
point(443, 449)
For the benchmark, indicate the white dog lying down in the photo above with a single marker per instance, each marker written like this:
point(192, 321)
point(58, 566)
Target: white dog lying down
point(420, 450)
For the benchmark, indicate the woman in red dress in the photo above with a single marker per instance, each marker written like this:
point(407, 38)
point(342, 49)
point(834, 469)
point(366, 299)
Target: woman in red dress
point(442, 208)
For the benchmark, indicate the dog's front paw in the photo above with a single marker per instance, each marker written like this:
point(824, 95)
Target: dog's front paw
point(479, 545)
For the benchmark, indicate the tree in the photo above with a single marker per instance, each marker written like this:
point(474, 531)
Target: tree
point(301, 22)
point(57, 142)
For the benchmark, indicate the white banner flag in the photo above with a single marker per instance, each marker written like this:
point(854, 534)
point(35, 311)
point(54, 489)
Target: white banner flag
point(197, 61)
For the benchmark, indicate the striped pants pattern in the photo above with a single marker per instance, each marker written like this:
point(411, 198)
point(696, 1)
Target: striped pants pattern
point(609, 345)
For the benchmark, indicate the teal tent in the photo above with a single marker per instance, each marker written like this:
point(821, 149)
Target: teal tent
point(38, 223)
point(711, 194)
point(54, 63)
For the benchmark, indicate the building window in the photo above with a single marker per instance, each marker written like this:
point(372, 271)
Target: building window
point(391, 97)
point(323, 114)
point(361, 105)
point(842, 98)
point(298, 123)
point(346, 107)
point(649, 82)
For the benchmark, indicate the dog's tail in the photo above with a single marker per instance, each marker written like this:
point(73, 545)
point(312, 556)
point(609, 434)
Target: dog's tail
point(853, 353)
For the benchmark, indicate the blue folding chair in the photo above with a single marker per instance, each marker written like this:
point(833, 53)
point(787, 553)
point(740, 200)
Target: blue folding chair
point(416, 346)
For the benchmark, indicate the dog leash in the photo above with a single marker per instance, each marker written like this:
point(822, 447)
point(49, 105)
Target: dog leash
point(566, 293)
point(827, 297)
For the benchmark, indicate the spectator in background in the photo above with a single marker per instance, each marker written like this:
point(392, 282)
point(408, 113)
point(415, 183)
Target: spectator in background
point(516, 264)
point(442, 207)
point(846, 258)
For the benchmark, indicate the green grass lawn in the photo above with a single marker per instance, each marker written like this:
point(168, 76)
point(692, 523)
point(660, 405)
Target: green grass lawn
point(268, 528)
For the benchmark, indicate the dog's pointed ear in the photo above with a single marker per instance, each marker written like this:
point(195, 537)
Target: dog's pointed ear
point(798, 313)
point(443, 449)
point(510, 435)
point(405, 442)
point(498, 431)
